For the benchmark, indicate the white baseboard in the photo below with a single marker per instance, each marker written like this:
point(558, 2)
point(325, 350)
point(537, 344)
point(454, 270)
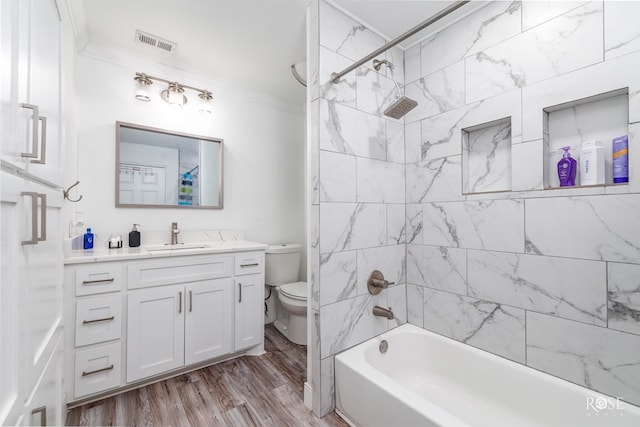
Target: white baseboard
point(308, 395)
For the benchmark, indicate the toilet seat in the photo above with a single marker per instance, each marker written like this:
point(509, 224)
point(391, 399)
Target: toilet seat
point(296, 290)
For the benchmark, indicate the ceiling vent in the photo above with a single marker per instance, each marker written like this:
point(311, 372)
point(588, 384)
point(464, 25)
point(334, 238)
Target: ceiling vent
point(155, 41)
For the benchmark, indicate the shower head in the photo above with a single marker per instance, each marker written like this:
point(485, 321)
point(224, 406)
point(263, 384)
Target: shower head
point(378, 63)
point(402, 105)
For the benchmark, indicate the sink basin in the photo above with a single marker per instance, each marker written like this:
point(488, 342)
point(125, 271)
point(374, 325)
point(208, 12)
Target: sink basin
point(179, 246)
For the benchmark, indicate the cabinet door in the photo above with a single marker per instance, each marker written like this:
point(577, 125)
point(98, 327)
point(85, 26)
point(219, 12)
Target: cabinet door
point(44, 73)
point(14, 28)
point(209, 320)
point(249, 311)
point(45, 407)
point(31, 89)
point(12, 364)
point(155, 331)
point(42, 278)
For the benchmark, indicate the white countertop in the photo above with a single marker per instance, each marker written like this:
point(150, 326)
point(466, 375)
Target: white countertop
point(105, 255)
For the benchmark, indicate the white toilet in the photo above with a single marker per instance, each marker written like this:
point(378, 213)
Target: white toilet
point(282, 268)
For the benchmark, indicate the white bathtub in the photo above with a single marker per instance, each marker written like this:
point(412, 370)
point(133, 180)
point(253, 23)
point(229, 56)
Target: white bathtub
point(425, 380)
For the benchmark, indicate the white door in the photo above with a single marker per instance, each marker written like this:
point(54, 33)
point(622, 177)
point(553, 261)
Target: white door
point(155, 331)
point(44, 88)
point(249, 312)
point(142, 185)
point(209, 320)
point(12, 366)
point(31, 291)
point(42, 279)
point(30, 91)
point(45, 406)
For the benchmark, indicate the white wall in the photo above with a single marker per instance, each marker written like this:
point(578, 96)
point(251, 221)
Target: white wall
point(263, 154)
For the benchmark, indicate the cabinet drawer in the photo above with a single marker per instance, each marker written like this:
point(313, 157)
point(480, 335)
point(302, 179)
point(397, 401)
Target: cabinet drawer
point(99, 279)
point(98, 319)
point(167, 271)
point(249, 263)
point(97, 369)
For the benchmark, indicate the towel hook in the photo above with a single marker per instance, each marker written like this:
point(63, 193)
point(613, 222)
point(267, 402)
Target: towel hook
point(65, 193)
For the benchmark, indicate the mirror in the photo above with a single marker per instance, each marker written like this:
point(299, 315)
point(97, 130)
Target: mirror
point(165, 169)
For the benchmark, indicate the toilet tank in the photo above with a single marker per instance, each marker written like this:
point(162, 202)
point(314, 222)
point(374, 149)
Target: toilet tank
point(282, 263)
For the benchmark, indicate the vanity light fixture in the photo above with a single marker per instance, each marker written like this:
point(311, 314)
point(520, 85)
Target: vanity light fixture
point(142, 87)
point(205, 102)
point(173, 94)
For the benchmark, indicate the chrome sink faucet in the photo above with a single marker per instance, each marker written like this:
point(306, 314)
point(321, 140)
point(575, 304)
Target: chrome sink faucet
point(174, 233)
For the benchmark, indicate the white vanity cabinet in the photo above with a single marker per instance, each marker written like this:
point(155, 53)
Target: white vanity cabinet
point(172, 326)
point(138, 320)
point(94, 306)
point(249, 300)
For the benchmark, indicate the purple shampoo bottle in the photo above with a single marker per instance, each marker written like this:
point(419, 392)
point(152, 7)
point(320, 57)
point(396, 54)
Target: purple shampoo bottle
point(567, 167)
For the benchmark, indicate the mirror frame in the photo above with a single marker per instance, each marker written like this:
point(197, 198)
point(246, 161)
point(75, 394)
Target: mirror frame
point(220, 174)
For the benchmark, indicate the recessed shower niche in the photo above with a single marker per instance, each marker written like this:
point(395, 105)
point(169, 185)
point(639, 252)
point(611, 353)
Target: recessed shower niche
point(486, 157)
point(601, 117)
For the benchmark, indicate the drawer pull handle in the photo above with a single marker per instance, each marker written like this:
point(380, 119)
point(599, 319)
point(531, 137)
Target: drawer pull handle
point(43, 414)
point(93, 282)
point(255, 264)
point(104, 319)
point(97, 371)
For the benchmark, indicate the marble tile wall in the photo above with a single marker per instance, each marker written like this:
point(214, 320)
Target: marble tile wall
point(546, 277)
point(357, 181)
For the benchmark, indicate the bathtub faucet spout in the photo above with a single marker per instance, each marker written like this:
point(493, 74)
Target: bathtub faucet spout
point(383, 312)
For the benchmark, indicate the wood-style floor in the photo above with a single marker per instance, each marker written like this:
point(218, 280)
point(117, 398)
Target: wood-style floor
point(247, 391)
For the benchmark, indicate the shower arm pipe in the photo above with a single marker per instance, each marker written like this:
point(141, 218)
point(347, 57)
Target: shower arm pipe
point(335, 77)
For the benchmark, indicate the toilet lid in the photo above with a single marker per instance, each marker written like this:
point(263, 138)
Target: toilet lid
point(297, 290)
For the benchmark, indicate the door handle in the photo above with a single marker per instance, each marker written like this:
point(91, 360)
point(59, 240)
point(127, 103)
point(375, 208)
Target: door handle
point(180, 302)
point(42, 410)
point(36, 236)
point(190, 301)
point(33, 154)
point(36, 147)
point(239, 292)
point(43, 217)
point(43, 142)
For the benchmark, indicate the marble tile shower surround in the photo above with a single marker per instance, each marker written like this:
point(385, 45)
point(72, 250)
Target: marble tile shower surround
point(487, 158)
point(357, 220)
point(624, 297)
point(542, 277)
point(548, 278)
point(559, 46)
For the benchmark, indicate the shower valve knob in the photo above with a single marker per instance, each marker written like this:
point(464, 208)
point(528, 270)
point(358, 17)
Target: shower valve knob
point(377, 283)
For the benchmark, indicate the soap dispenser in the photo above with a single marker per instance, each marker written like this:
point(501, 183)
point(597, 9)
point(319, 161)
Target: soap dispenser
point(567, 169)
point(134, 237)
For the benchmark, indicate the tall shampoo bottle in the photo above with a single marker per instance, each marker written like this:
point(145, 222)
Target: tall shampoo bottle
point(567, 167)
point(592, 163)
